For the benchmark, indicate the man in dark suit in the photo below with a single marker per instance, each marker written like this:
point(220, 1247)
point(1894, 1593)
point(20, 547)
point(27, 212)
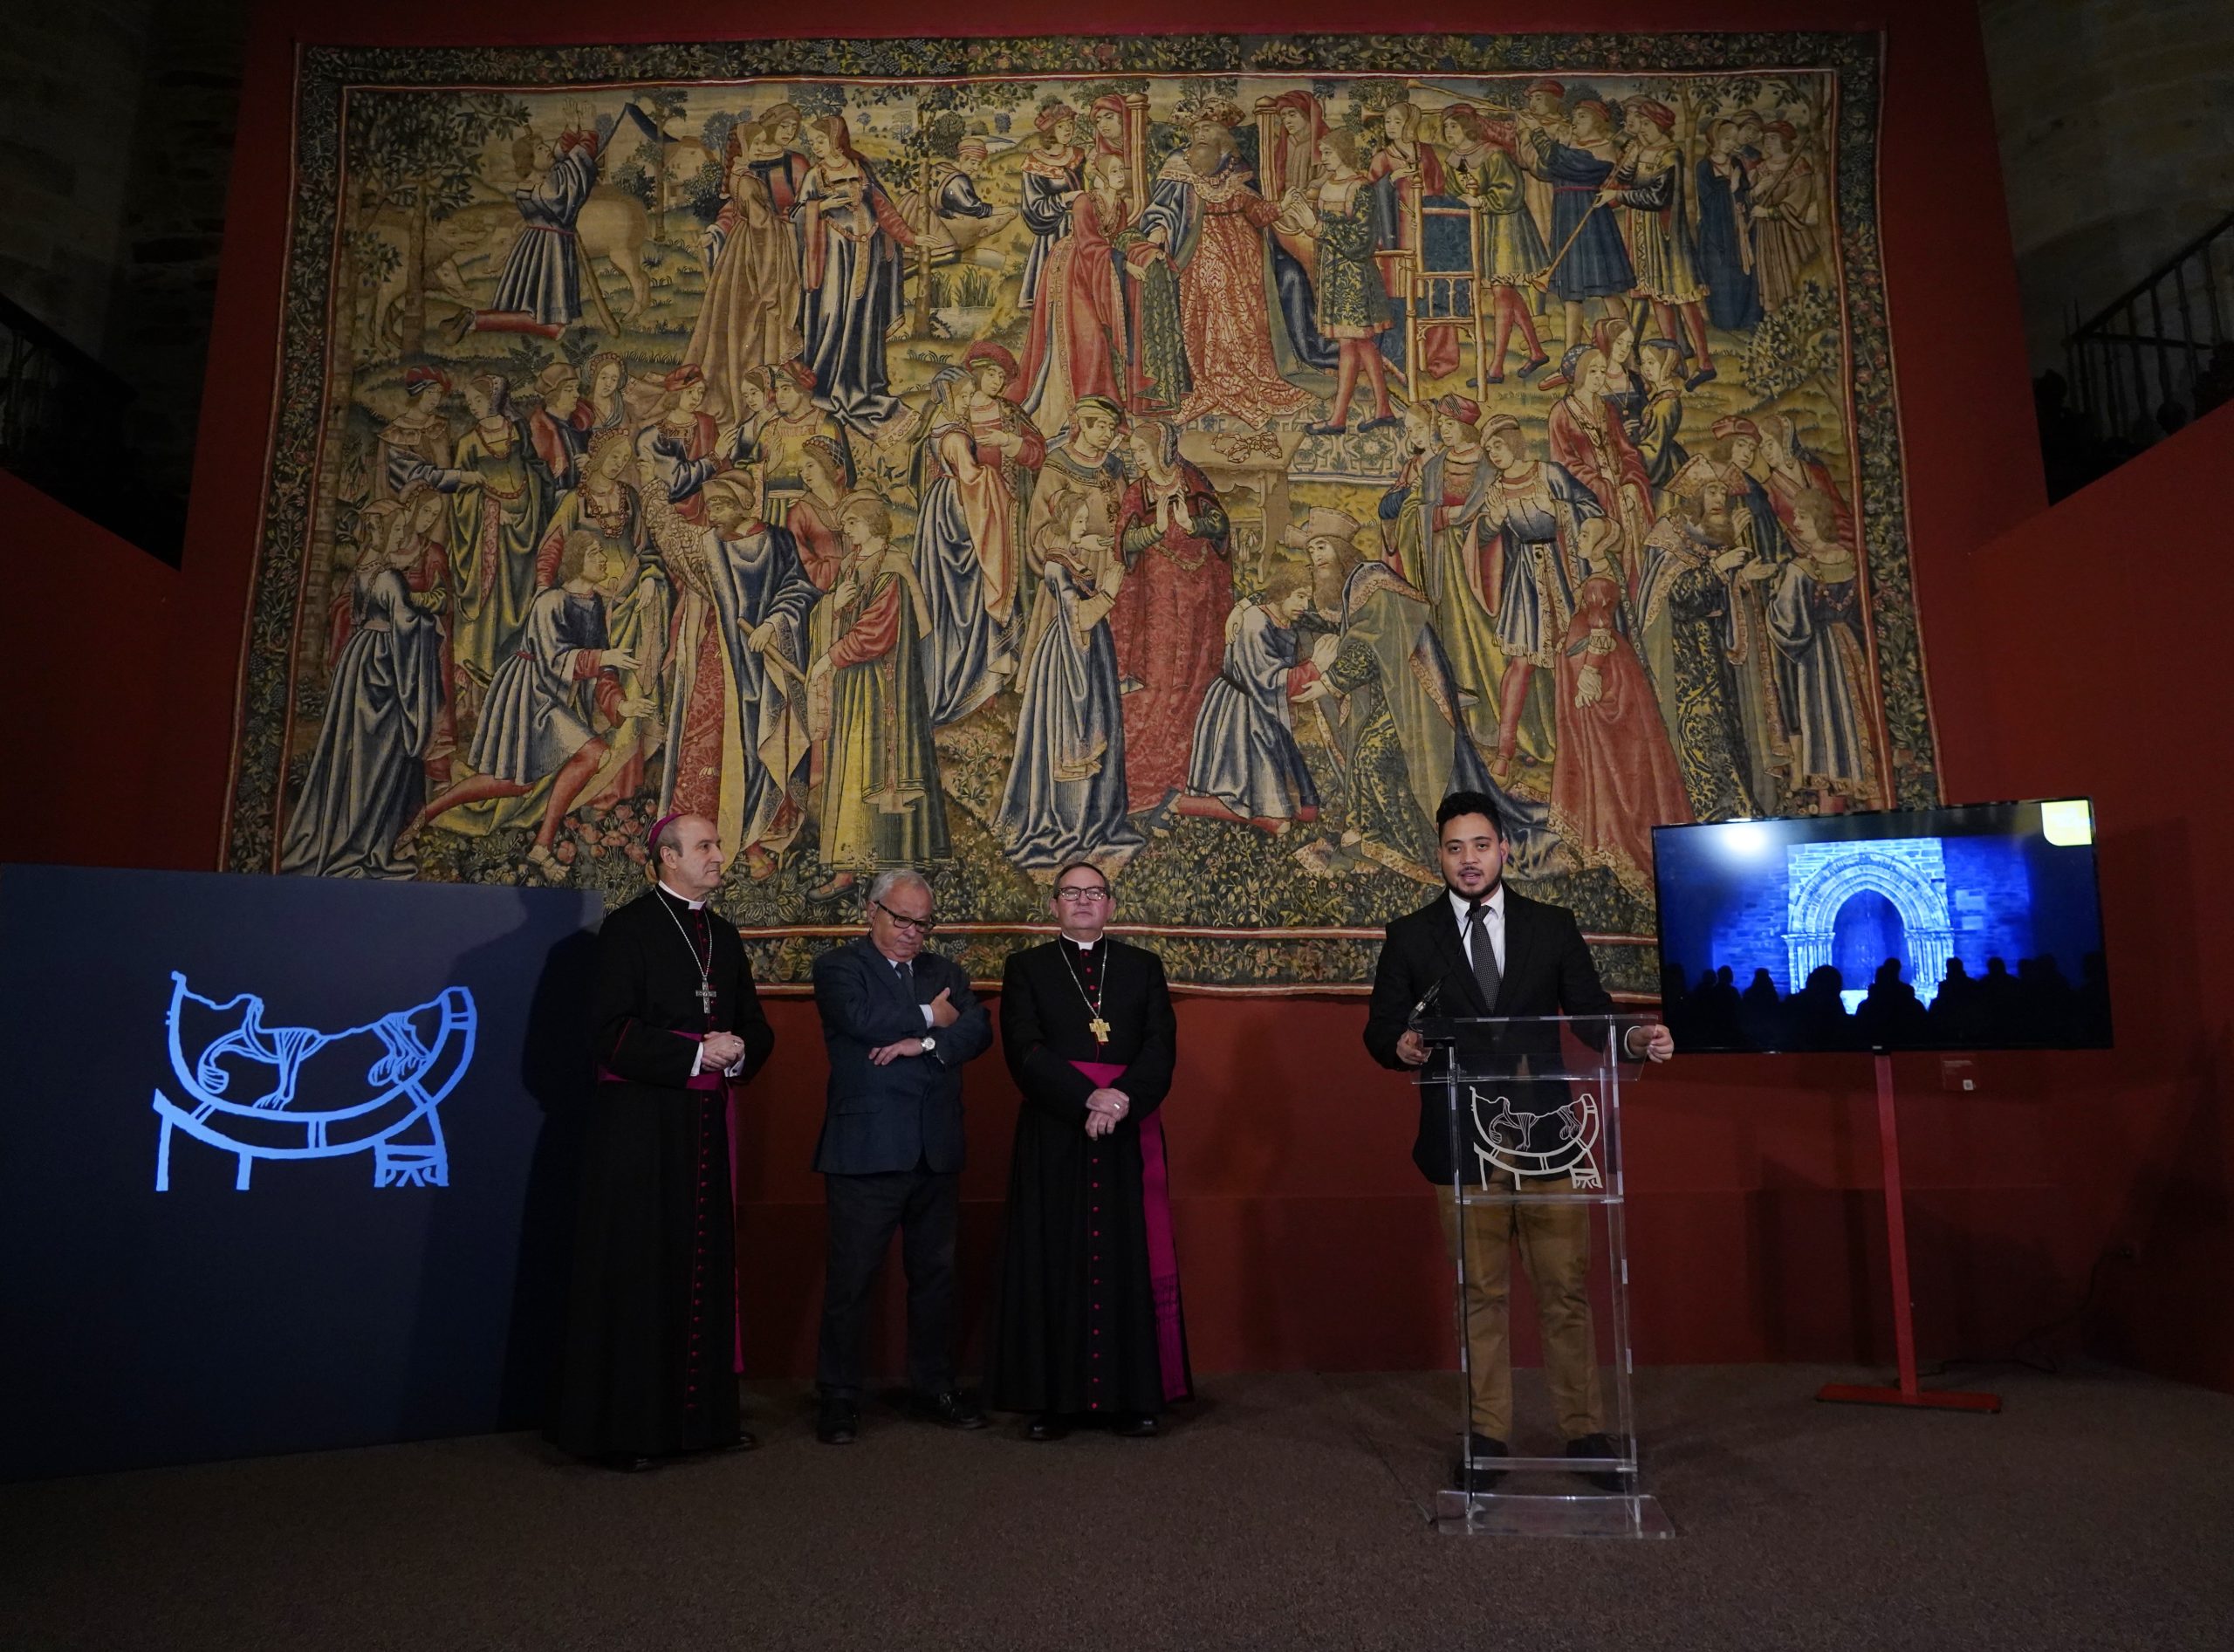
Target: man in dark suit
point(899, 1022)
point(1483, 950)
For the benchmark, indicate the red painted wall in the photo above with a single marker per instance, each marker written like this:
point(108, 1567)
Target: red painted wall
point(90, 656)
point(1306, 1239)
point(2098, 646)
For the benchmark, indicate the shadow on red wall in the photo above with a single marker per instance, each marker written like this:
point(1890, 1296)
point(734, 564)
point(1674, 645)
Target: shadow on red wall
point(2096, 632)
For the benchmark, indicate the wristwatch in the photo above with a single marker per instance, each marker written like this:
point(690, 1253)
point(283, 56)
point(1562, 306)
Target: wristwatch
point(931, 1043)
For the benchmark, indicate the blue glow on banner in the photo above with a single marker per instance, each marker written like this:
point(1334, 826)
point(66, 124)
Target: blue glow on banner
point(294, 1093)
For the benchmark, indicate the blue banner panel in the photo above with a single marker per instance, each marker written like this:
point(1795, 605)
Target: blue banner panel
point(285, 1162)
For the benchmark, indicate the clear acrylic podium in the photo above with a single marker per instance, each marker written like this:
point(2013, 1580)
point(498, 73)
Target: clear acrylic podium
point(1533, 1108)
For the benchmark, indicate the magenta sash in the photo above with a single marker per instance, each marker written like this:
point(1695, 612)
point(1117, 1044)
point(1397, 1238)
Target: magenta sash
point(696, 1082)
point(1163, 1253)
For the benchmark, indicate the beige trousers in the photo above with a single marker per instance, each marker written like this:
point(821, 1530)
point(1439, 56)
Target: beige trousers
point(1555, 1249)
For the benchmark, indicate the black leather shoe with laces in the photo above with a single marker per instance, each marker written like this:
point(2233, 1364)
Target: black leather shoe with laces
point(1470, 1472)
point(836, 1422)
point(950, 1410)
point(1597, 1445)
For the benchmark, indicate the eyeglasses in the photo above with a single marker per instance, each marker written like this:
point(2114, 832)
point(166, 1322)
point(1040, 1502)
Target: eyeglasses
point(1082, 892)
point(912, 926)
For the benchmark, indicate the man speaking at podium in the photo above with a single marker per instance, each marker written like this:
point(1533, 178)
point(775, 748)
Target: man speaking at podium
point(1479, 950)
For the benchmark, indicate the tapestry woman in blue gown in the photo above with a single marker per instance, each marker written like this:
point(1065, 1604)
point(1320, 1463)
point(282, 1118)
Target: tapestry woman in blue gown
point(1822, 664)
point(973, 477)
point(1725, 198)
point(366, 778)
point(1066, 796)
point(1541, 526)
point(853, 270)
point(1246, 764)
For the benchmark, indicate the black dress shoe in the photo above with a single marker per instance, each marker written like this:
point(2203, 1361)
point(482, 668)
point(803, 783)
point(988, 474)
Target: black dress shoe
point(628, 1463)
point(1468, 1472)
point(835, 1421)
point(1597, 1445)
point(950, 1410)
point(1048, 1425)
point(1133, 1425)
point(746, 1440)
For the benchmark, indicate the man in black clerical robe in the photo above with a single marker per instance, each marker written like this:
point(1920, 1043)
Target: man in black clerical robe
point(649, 1359)
point(1086, 1325)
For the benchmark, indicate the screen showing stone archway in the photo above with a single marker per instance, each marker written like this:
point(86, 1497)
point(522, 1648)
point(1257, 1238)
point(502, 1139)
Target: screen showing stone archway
point(1976, 927)
point(1195, 463)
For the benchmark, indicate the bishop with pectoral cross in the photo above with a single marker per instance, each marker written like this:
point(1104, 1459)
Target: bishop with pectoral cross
point(652, 1344)
point(1086, 1327)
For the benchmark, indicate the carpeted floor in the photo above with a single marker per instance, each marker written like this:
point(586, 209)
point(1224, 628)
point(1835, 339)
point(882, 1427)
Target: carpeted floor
point(1289, 1510)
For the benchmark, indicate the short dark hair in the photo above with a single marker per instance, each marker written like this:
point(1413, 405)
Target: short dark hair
point(1069, 867)
point(1460, 803)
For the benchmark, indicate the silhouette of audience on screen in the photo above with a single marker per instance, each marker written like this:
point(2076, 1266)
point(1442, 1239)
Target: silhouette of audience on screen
point(2037, 1005)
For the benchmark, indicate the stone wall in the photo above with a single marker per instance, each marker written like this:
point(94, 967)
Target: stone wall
point(116, 137)
point(71, 78)
point(1990, 898)
point(2117, 121)
point(174, 226)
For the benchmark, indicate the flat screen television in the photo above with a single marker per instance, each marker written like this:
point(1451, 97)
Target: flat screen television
point(1970, 928)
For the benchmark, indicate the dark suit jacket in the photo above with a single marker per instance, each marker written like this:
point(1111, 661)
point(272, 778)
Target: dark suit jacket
point(893, 1117)
point(1547, 972)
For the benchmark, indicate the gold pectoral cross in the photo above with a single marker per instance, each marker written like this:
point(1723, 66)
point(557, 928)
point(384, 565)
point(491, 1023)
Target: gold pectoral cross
point(1100, 1028)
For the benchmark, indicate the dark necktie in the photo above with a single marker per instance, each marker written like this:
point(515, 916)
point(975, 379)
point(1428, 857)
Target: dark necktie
point(1486, 974)
point(905, 970)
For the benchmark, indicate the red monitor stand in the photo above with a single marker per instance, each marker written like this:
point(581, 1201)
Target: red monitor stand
point(1904, 1328)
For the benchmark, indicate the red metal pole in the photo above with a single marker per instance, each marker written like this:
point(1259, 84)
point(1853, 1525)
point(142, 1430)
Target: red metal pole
point(1896, 1229)
point(1904, 1325)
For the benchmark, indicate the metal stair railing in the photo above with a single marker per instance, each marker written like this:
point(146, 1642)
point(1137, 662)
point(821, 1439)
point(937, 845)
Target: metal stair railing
point(2155, 355)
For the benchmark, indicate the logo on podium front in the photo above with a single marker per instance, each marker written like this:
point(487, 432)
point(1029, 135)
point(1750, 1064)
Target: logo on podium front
point(1563, 1141)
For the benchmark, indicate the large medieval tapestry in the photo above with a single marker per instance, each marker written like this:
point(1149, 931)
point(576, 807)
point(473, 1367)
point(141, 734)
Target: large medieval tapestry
point(1193, 456)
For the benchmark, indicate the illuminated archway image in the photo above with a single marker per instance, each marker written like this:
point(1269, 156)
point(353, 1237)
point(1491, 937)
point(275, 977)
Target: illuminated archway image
point(1910, 873)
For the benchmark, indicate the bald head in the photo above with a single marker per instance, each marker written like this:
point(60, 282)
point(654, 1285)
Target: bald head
point(687, 853)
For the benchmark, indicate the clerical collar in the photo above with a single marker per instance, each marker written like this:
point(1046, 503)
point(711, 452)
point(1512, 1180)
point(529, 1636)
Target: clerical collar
point(1086, 946)
point(1464, 907)
point(686, 900)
